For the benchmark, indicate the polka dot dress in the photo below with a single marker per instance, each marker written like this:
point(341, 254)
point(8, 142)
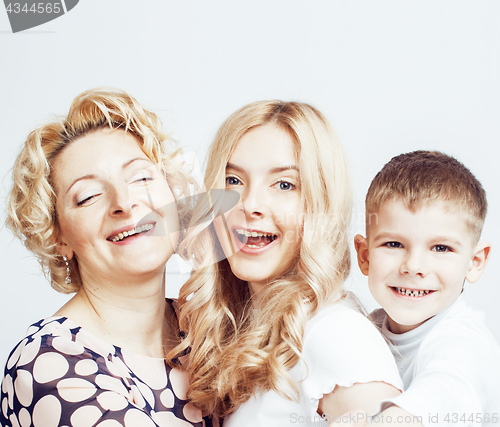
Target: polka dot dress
point(61, 375)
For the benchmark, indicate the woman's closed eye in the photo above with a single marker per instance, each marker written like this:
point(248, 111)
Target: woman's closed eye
point(284, 185)
point(143, 177)
point(87, 199)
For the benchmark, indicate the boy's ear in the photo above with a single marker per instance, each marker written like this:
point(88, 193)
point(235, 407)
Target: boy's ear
point(478, 262)
point(361, 245)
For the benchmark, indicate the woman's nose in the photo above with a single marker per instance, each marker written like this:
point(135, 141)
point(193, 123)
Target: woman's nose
point(122, 203)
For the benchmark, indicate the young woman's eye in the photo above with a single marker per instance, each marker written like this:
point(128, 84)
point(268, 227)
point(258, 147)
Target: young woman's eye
point(393, 245)
point(441, 248)
point(232, 180)
point(284, 186)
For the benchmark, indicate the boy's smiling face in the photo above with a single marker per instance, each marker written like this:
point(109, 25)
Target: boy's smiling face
point(417, 261)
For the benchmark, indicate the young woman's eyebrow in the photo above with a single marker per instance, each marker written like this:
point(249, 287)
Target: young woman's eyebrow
point(272, 170)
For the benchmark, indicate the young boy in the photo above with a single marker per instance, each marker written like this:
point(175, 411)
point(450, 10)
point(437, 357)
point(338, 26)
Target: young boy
point(424, 215)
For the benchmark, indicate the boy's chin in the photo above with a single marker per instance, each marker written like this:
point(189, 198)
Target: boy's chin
point(401, 325)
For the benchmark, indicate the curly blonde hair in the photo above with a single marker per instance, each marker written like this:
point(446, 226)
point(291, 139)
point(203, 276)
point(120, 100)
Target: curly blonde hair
point(31, 207)
point(233, 354)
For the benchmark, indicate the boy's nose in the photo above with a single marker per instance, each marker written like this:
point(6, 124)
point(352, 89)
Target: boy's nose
point(413, 264)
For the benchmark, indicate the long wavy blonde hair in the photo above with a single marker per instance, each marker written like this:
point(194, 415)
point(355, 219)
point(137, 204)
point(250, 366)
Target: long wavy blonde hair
point(31, 206)
point(233, 353)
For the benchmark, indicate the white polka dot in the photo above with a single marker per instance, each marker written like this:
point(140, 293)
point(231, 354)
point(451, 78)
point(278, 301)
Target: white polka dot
point(86, 367)
point(137, 397)
point(5, 406)
point(135, 418)
point(63, 332)
point(167, 398)
point(13, 420)
point(49, 367)
point(170, 420)
point(24, 418)
point(112, 401)
point(16, 353)
point(109, 383)
point(150, 370)
point(75, 389)
point(88, 340)
point(32, 329)
point(179, 381)
point(23, 385)
point(115, 369)
point(109, 423)
point(8, 388)
point(67, 347)
point(85, 416)
point(147, 393)
point(30, 351)
point(47, 412)
point(192, 413)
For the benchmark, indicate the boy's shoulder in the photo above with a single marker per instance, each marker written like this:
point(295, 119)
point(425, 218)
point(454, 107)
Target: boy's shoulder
point(458, 334)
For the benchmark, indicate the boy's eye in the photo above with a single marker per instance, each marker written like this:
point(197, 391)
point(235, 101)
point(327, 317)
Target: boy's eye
point(441, 248)
point(393, 245)
point(232, 180)
point(284, 186)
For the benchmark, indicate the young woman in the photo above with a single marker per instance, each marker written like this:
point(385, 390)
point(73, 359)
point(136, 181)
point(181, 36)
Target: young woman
point(92, 199)
point(274, 338)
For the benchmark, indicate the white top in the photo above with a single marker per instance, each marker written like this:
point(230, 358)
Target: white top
point(340, 347)
point(450, 367)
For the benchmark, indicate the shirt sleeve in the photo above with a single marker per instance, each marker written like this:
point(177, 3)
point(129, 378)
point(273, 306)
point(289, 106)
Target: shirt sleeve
point(342, 348)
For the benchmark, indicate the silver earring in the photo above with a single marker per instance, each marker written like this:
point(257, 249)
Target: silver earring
point(68, 273)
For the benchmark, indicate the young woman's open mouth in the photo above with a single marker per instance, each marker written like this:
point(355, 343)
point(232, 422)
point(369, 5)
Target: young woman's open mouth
point(253, 241)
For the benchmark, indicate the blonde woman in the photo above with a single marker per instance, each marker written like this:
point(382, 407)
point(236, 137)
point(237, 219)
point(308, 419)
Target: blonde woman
point(93, 199)
point(274, 339)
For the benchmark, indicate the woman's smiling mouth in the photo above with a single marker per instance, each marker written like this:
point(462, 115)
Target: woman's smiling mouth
point(124, 234)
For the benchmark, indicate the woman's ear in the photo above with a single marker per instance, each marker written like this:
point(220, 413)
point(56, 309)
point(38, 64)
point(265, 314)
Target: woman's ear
point(478, 262)
point(361, 245)
point(63, 248)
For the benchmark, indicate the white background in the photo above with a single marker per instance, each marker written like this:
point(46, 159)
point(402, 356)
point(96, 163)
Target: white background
point(392, 76)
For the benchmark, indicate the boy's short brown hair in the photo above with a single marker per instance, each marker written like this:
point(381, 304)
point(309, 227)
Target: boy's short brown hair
point(421, 177)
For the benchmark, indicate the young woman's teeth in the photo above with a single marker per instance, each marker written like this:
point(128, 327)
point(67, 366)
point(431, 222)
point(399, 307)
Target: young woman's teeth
point(410, 293)
point(141, 229)
point(255, 239)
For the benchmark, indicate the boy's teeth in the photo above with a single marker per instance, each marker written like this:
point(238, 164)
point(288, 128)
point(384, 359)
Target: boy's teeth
point(410, 293)
point(252, 233)
point(121, 236)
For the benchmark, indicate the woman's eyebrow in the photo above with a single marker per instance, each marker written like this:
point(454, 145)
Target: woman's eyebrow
point(91, 176)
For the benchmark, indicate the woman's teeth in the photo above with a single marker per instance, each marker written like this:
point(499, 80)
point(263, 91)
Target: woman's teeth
point(254, 239)
point(412, 293)
point(141, 229)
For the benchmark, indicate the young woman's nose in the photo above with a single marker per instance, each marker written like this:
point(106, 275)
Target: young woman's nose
point(254, 202)
point(413, 264)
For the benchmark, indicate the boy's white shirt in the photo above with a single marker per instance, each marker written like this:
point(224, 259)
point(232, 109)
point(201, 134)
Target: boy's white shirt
point(450, 366)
